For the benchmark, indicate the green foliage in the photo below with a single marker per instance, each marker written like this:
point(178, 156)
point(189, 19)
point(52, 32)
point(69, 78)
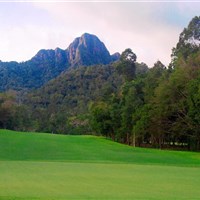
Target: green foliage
point(126, 65)
point(30, 74)
point(68, 96)
point(101, 119)
point(73, 90)
point(160, 108)
point(12, 114)
point(186, 45)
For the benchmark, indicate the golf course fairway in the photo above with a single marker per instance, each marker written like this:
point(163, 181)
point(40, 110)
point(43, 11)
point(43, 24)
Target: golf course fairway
point(37, 166)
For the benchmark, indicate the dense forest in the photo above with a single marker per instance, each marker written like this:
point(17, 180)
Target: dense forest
point(124, 100)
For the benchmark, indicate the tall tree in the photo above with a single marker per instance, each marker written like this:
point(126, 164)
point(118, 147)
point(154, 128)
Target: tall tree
point(126, 65)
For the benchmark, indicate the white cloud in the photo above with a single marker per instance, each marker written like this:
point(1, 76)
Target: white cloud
point(144, 27)
point(119, 26)
point(19, 43)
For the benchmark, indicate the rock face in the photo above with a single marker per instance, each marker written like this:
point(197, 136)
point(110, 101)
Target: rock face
point(83, 51)
point(115, 56)
point(88, 50)
point(57, 57)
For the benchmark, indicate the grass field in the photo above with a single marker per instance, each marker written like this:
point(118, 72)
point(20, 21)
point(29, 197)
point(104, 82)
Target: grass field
point(55, 167)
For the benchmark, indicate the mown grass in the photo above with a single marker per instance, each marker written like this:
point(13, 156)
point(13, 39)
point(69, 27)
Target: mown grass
point(50, 167)
point(48, 147)
point(55, 180)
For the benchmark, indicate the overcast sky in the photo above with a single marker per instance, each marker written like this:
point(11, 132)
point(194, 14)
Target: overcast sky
point(150, 29)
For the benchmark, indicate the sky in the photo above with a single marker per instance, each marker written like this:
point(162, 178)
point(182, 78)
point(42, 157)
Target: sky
point(150, 28)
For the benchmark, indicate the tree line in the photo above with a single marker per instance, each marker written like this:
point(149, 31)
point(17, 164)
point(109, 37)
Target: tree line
point(160, 108)
point(127, 102)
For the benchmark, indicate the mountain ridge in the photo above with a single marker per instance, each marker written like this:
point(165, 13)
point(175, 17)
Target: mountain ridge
point(80, 52)
point(47, 64)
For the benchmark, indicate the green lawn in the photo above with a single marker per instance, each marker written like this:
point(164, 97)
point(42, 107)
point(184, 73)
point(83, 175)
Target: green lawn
point(52, 167)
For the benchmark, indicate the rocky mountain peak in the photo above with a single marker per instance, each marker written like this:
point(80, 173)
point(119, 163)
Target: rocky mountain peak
point(83, 51)
point(88, 50)
point(115, 56)
point(43, 55)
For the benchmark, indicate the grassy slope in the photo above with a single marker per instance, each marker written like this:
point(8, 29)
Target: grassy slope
point(47, 147)
point(92, 168)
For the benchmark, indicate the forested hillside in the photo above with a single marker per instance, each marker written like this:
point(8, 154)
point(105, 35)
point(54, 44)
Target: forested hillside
point(124, 100)
point(162, 108)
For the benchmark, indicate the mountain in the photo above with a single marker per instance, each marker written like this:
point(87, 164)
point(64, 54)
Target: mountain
point(189, 39)
point(47, 64)
point(88, 50)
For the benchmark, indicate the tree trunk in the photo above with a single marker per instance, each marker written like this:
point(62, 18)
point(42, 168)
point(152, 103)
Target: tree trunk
point(127, 138)
point(133, 142)
point(113, 136)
